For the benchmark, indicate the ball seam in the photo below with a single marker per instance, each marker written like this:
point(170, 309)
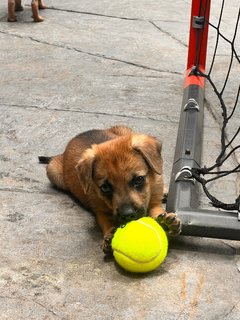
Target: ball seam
point(135, 260)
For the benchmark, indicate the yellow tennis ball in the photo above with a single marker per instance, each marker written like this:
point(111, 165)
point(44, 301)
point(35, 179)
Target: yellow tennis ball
point(140, 246)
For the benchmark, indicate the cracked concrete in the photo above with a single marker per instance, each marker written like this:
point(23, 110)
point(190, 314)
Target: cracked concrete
point(93, 65)
point(98, 55)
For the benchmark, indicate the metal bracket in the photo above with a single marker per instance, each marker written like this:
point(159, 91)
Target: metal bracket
point(191, 105)
point(198, 22)
point(195, 72)
point(185, 174)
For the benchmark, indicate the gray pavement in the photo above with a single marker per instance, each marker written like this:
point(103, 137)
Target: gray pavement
point(93, 65)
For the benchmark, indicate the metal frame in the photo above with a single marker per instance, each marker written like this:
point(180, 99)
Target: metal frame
point(183, 191)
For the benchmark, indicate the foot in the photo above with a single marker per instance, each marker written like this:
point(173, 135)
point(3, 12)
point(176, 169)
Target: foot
point(107, 241)
point(11, 11)
point(36, 16)
point(12, 19)
point(170, 223)
point(18, 6)
point(41, 5)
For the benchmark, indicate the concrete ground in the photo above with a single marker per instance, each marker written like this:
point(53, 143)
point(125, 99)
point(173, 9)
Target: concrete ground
point(93, 64)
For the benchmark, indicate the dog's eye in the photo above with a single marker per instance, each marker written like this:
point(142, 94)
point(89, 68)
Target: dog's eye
point(106, 188)
point(138, 181)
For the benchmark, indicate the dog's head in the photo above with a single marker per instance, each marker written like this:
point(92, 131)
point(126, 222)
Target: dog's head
point(125, 173)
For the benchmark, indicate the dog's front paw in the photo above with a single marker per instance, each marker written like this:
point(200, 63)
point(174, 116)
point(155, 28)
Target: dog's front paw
point(107, 242)
point(170, 223)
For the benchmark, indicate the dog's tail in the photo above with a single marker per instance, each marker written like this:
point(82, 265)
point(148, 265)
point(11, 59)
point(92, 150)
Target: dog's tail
point(44, 160)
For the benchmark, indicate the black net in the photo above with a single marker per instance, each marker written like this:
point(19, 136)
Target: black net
point(221, 81)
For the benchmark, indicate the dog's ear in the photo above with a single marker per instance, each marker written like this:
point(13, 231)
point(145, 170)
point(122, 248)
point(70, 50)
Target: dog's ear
point(150, 149)
point(84, 169)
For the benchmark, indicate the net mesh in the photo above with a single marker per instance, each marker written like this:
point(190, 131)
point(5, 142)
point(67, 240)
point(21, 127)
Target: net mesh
point(222, 79)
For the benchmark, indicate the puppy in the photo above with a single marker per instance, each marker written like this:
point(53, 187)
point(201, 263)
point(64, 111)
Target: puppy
point(115, 173)
point(16, 5)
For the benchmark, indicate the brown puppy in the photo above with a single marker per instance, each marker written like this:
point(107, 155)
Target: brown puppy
point(115, 173)
point(16, 5)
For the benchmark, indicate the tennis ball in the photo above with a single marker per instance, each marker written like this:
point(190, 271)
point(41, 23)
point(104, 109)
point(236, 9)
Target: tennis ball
point(140, 246)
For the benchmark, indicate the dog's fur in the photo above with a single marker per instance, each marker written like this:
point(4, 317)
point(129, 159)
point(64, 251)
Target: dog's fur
point(16, 5)
point(115, 173)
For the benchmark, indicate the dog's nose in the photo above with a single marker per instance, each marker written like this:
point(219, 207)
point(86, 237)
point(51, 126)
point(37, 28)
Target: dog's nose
point(126, 212)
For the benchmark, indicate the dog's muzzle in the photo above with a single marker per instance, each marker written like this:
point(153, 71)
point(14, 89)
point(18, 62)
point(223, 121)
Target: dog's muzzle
point(127, 212)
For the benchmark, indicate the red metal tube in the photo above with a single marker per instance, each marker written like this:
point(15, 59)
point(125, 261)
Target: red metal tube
point(198, 37)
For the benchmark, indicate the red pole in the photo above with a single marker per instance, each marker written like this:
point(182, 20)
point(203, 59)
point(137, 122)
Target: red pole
point(198, 37)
